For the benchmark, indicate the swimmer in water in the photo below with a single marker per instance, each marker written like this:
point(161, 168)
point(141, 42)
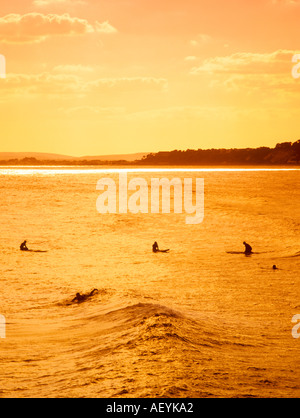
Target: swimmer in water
point(82, 298)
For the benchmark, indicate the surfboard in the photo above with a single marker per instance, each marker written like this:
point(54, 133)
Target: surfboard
point(235, 252)
point(35, 251)
point(240, 252)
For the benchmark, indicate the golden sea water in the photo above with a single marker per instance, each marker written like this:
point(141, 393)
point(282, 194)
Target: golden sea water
point(198, 321)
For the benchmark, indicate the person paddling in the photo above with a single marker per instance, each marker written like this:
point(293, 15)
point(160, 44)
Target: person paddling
point(82, 298)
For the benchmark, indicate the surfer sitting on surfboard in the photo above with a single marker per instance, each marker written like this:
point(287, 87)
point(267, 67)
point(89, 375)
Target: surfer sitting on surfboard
point(248, 248)
point(155, 249)
point(23, 246)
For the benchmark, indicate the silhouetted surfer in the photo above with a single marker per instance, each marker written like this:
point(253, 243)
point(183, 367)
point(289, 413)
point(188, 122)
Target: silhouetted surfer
point(82, 298)
point(275, 267)
point(155, 248)
point(248, 248)
point(23, 246)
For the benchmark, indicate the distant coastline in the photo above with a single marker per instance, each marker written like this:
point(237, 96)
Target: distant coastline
point(285, 153)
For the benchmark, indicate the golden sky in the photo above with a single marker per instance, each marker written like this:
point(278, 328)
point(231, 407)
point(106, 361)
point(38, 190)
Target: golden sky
point(92, 77)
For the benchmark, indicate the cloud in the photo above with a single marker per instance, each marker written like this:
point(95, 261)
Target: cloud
point(190, 58)
point(36, 27)
point(129, 84)
point(46, 84)
point(68, 85)
point(105, 27)
point(201, 39)
point(75, 68)
point(45, 3)
point(267, 85)
point(247, 63)
point(265, 76)
point(286, 2)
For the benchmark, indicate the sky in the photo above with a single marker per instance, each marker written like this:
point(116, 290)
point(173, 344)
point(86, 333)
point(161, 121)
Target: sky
point(96, 77)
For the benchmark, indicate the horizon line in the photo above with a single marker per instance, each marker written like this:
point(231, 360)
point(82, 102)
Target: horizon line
point(31, 170)
point(142, 152)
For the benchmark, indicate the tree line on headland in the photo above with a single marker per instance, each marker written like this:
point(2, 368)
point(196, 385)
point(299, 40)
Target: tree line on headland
point(285, 153)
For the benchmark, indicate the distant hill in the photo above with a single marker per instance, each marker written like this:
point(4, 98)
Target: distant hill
point(38, 155)
point(115, 157)
point(6, 156)
point(285, 153)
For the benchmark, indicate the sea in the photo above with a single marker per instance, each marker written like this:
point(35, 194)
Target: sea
point(203, 320)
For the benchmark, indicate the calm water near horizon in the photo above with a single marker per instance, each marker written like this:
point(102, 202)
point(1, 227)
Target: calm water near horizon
point(203, 320)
